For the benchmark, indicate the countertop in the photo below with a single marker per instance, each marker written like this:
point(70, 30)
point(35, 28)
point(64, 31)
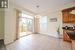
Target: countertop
point(68, 28)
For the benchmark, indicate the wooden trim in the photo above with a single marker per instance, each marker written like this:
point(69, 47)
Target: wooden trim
point(17, 23)
point(9, 43)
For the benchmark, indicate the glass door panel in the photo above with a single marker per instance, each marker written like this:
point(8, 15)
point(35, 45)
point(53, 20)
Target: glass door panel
point(29, 24)
point(25, 26)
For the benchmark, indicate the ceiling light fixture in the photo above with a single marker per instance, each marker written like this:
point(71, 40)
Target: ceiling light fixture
point(37, 6)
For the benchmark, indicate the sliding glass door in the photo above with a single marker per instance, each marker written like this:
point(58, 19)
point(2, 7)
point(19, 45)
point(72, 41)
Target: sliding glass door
point(25, 25)
point(30, 25)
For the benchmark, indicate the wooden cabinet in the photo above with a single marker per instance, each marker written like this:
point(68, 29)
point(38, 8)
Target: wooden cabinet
point(72, 18)
point(67, 16)
point(73, 45)
point(65, 36)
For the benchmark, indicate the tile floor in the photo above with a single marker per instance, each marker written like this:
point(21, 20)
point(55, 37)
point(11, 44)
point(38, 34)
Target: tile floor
point(39, 42)
point(24, 34)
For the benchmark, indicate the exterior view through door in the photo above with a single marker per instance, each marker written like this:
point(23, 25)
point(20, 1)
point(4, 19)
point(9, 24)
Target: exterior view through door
point(25, 24)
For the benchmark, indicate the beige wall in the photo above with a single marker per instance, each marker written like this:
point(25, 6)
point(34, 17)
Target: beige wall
point(53, 26)
point(1, 23)
point(10, 22)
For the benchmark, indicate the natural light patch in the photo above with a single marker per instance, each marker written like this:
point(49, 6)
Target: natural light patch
point(25, 15)
point(43, 24)
point(37, 16)
point(43, 19)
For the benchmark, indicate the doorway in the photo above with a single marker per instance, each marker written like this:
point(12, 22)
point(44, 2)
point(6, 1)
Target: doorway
point(25, 25)
point(43, 24)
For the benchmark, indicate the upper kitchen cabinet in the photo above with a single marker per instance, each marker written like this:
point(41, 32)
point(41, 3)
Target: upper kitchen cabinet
point(72, 18)
point(68, 17)
point(65, 16)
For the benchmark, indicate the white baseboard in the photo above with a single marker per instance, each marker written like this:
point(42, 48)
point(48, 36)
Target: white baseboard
point(8, 43)
point(51, 35)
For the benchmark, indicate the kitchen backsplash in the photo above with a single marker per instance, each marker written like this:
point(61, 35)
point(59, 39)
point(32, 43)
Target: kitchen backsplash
point(68, 24)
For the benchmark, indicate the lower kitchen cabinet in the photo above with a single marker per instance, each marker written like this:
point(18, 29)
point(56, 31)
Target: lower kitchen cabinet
point(65, 35)
point(73, 45)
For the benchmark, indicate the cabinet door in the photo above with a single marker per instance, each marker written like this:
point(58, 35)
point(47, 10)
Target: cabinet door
point(65, 36)
point(65, 17)
point(73, 44)
point(72, 18)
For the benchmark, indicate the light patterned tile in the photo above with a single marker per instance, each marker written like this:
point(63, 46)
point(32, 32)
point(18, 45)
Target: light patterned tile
point(39, 42)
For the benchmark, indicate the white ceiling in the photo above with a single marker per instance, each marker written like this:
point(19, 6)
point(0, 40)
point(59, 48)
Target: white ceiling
point(44, 5)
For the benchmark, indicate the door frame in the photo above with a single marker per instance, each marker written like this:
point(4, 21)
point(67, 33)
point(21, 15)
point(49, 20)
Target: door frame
point(17, 23)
